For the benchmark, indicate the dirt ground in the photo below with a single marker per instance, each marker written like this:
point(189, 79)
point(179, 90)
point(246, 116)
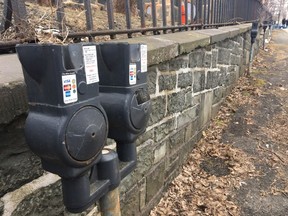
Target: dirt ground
point(240, 165)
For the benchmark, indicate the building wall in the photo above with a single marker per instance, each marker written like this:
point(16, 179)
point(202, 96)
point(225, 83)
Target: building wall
point(189, 75)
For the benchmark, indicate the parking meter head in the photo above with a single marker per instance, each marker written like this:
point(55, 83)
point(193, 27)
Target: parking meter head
point(123, 89)
point(66, 125)
point(254, 31)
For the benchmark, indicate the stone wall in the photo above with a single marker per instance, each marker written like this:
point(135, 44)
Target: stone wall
point(189, 75)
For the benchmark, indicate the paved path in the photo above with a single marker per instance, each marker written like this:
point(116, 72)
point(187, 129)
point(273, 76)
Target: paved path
point(262, 132)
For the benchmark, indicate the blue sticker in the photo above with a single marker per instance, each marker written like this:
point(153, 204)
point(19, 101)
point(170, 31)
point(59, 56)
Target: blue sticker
point(68, 93)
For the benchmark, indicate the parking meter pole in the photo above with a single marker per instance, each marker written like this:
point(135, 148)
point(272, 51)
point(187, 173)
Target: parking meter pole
point(110, 203)
point(254, 32)
point(264, 40)
point(251, 58)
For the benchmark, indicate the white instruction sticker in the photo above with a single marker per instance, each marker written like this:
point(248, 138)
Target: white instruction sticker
point(132, 74)
point(69, 85)
point(143, 50)
point(90, 64)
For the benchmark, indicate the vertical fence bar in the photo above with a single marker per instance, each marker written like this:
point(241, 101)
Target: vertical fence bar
point(218, 11)
point(154, 18)
point(179, 12)
point(172, 14)
point(224, 11)
point(197, 11)
point(209, 12)
point(205, 12)
point(234, 10)
point(60, 14)
point(142, 14)
point(128, 16)
point(215, 10)
point(231, 11)
point(201, 10)
point(110, 15)
point(192, 11)
point(164, 15)
point(88, 13)
point(186, 12)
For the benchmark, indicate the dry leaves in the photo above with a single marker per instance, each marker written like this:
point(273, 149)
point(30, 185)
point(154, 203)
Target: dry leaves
point(197, 192)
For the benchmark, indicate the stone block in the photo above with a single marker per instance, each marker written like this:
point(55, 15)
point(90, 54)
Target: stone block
point(205, 108)
point(18, 164)
point(214, 59)
point(227, 44)
point(188, 98)
point(199, 81)
point(131, 202)
point(151, 80)
point(207, 60)
point(196, 58)
point(224, 56)
point(240, 40)
point(185, 79)
point(191, 130)
point(218, 94)
point(163, 67)
point(14, 102)
point(164, 129)
point(46, 201)
point(145, 160)
point(172, 164)
point(160, 152)
point(145, 136)
point(215, 108)
point(155, 181)
point(235, 59)
point(167, 82)
point(158, 109)
point(212, 79)
point(176, 102)
point(176, 140)
point(179, 63)
point(187, 116)
point(142, 194)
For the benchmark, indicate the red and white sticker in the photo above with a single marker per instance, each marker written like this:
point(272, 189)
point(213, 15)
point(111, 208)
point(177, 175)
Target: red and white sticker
point(132, 74)
point(69, 85)
point(90, 64)
point(143, 50)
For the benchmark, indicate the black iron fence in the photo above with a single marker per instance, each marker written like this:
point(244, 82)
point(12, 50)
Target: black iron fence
point(154, 16)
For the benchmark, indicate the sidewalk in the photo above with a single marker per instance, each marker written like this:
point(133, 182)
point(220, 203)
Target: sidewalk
point(240, 165)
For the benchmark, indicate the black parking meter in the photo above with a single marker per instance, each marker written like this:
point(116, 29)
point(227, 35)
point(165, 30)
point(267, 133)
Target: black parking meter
point(124, 95)
point(66, 126)
point(254, 32)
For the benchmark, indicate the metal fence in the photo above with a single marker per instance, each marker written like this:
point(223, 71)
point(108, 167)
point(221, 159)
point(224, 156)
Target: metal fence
point(164, 16)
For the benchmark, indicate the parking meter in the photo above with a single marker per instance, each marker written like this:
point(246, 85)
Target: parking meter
point(254, 32)
point(66, 125)
point(124, 95)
